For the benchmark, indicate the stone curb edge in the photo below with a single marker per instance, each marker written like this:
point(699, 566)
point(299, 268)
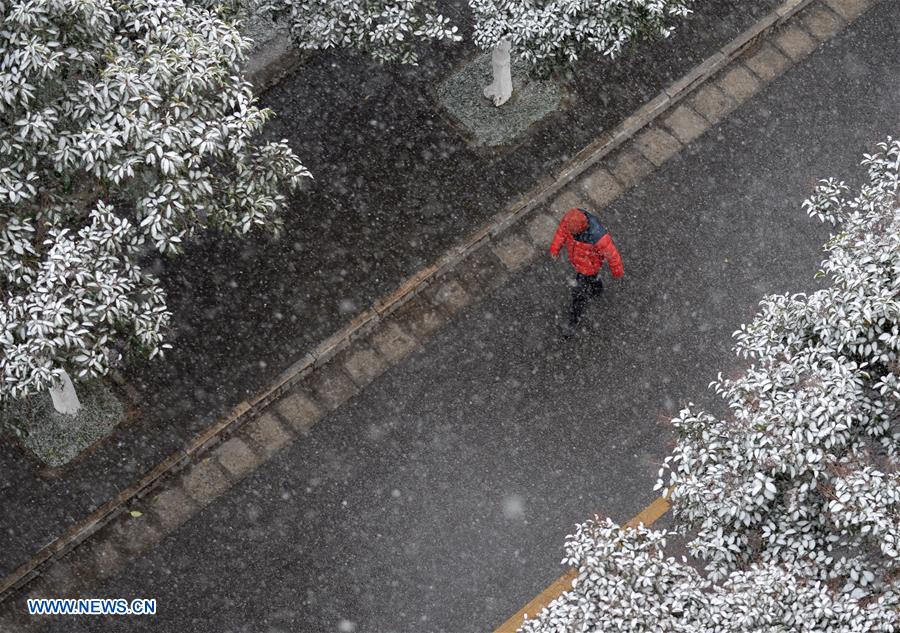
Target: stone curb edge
point(493, 233)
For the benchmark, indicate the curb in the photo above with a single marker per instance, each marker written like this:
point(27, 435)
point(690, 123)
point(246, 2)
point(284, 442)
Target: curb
point(340, 366)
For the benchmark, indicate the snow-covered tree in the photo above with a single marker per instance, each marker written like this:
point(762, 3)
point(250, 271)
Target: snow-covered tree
point(547, 33)
point(126, 126)
point(791, 502)
point(388, 30)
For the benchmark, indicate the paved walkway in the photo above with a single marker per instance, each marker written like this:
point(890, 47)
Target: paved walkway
point(438, 499)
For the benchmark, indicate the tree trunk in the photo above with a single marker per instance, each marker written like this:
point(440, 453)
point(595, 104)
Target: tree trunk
point(501, 89)
point(65, 400)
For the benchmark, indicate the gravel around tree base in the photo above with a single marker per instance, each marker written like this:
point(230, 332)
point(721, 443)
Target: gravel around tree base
point(58, 438)
point(462, 95)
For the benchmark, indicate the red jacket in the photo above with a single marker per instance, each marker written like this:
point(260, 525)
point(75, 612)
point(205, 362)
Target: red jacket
point(593, 246)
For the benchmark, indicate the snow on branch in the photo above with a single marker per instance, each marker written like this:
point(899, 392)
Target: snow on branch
point(86, 297)
point(548, 33)
point(388, 30)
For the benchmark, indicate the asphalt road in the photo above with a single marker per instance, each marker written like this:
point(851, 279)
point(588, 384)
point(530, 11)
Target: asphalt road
point(439, 498)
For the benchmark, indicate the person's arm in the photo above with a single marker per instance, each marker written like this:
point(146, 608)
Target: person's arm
point(558, 240)
point(611, 254)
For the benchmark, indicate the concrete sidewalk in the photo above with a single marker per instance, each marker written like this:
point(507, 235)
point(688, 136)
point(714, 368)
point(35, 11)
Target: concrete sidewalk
point(438, 498)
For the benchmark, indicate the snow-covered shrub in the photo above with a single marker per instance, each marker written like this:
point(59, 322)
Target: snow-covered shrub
point(791, 502)
point(804, 472)
point(86, 293)
point(122, 123)
point(625, 584)
point(388, 30)
point(553, 32)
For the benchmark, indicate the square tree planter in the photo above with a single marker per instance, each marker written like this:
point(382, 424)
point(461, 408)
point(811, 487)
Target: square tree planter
point(56, 438)
point(486, 125)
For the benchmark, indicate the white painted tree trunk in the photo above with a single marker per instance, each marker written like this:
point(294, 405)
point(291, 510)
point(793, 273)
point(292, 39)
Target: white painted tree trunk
point(501, 89)
point(65, 400)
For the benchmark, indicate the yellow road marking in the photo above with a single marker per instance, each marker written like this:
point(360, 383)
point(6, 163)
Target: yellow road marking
point(647, 516)
point(650, 515)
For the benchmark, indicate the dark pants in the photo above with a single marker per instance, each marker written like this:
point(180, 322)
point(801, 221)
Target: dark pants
point(584, 288)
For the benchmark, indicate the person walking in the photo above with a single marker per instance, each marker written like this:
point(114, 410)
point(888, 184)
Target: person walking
point(588, 245)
